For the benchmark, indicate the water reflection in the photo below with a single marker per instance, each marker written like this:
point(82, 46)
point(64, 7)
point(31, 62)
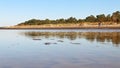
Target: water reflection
point(61, 49)
point(113, 37)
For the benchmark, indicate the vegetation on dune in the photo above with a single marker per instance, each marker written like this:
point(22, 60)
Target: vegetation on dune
point(114, 18)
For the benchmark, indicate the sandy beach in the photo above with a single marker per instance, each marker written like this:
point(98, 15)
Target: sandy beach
point(64, 27)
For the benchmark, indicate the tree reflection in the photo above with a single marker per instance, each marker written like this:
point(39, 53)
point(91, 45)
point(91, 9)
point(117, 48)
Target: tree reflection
point(113, 37)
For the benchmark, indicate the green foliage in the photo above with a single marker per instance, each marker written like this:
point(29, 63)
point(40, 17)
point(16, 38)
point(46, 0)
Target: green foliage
point(101, 18)
point(71, 20)
point(115, 17)
point(108, 18)
point(90, 19)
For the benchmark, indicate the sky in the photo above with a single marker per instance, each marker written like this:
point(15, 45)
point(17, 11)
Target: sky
point(13, 12)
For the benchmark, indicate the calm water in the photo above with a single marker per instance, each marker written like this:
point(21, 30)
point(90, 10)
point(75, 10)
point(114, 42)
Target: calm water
point(60, 48)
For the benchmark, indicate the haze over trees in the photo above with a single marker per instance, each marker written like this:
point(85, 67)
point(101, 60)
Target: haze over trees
point(114, 18)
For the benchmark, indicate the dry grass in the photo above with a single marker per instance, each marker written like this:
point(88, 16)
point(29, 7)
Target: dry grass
point(67, 25)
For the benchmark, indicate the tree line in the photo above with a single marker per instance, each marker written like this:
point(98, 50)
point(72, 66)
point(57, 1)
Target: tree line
point(114, 18)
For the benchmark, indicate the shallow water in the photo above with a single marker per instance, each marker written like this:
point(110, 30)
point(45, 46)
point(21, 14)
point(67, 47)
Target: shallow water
point(83, 48)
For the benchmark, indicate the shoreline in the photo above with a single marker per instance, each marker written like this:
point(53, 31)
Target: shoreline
point(39, 28)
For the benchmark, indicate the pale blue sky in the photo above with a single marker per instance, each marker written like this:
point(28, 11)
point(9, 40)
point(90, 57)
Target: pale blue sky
point(16, 11)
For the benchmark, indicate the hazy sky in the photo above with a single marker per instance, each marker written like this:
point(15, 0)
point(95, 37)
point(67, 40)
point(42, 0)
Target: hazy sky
point(16, 11)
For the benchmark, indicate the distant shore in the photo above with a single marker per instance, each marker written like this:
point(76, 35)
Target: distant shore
point(64, 27)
